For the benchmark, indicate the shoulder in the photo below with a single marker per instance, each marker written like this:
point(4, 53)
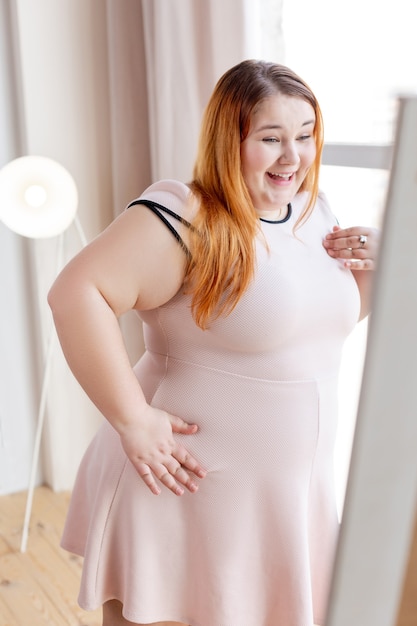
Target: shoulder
point(174, 195)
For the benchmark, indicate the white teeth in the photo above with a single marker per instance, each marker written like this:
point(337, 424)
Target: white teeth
point(285, 176)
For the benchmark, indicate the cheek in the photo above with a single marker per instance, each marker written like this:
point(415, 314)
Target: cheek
point(253, 161)
point(308, 157)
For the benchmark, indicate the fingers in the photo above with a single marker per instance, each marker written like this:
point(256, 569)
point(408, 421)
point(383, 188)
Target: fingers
point(173, 474)
point(352, 231)
point(342, 240)
point(145, 473)
point(174, 478)
point(366, 264)
point(180, 426)
point(189, 462)
point(348, 252)
point(357, 246)
point(168, 477)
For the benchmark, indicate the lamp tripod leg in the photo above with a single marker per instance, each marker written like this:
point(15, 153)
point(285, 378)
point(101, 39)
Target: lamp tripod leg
point(42, 405)
point(37, 444)
point(41, 414)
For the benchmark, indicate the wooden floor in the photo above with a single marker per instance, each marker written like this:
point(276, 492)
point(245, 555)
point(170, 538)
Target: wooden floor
point(40, 587)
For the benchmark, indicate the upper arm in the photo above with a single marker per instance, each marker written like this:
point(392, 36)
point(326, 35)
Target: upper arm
point(136, 263)
point(364, 280)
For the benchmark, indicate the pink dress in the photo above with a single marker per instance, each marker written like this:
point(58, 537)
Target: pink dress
point(255, 545)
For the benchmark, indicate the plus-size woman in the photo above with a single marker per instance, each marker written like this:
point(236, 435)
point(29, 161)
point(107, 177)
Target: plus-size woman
point(206, 498)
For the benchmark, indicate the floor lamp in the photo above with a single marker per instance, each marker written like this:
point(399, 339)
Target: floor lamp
point(38, 200)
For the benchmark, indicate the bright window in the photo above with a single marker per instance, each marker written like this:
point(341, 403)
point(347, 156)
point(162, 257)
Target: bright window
point(358, 57)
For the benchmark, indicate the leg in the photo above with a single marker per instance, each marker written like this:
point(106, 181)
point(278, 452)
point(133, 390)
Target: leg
point(112, 616)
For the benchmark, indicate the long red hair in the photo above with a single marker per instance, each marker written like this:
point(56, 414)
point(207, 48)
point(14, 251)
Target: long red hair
point(222, 260)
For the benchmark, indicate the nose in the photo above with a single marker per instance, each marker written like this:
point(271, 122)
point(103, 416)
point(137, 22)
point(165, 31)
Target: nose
point(289, 153)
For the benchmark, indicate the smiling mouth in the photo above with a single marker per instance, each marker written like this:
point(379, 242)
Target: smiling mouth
point(280, 176)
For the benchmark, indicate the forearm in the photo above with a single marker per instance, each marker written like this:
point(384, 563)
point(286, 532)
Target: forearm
point(93, 346)
point(358, 247)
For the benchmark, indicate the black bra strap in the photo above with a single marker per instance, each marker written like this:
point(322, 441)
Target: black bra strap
point(157, 208)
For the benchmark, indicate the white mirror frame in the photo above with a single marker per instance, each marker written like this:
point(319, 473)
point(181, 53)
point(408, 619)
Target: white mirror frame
point(380, 505)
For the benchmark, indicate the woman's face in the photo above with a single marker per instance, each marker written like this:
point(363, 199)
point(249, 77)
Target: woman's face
point(278, 152)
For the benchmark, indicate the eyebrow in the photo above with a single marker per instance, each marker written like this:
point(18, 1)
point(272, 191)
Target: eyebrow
point(278, 126)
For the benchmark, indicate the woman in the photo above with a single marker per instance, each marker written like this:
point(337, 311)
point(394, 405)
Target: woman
point(247, 288)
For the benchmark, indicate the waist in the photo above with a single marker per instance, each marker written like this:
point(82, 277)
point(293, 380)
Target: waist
point(282, 367)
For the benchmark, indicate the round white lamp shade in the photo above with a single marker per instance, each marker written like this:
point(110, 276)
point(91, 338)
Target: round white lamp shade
point(38, 197)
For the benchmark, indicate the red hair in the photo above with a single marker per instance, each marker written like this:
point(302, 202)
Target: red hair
point(223, 242)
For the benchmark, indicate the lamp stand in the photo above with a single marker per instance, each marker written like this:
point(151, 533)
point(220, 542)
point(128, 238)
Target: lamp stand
point(44, 392)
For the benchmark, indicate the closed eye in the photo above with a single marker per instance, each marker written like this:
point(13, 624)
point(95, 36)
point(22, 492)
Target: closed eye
point(270, 140)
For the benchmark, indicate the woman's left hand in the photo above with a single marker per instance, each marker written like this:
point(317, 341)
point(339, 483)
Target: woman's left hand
point(357, 246)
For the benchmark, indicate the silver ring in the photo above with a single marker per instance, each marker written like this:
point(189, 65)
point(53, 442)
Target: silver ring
point(362, 240)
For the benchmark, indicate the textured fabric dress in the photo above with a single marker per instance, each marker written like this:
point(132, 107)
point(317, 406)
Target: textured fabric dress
point(255, 545)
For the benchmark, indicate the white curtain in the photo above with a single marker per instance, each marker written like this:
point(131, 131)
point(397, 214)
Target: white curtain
point(63, 99)
point(114, 91)
point(17, 384)
point(187, 50)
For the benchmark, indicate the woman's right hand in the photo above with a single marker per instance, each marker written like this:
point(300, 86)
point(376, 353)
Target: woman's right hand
point(155, 454)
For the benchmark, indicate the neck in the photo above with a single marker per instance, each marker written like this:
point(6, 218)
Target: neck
point(283, 215)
